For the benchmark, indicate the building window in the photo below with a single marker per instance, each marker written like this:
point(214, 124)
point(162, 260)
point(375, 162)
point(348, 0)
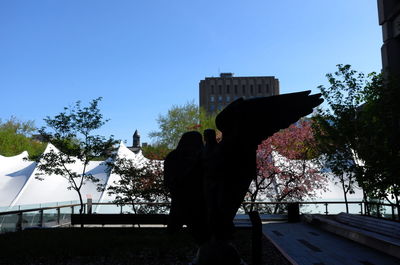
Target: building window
point(244, 89)
point(259, 89)
point(219, 98)
point(219, 106)
point(236, 97)
point(251, 90)
point(228, 98)
point(267, 88)
point(212, 98)
point(236, 91)
point(220, 89)
point(227, 89)
point(212, 108)
point(212, 89)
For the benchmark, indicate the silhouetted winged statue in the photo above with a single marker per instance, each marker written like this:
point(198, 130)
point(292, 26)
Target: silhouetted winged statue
point(228, 167)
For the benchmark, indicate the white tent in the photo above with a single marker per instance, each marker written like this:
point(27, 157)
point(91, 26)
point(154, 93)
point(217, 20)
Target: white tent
point(123, 152)
point(333, 191)
point(14, 173)
point(19, 185)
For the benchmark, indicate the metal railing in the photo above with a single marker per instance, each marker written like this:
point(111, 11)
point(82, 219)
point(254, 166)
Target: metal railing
point(54, 216)
point(380, 210)
point(16, 220)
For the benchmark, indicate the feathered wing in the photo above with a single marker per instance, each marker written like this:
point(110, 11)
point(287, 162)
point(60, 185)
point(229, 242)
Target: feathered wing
point(258, 118)
point(231, 165)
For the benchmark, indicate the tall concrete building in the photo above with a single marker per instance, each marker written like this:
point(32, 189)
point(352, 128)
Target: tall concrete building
point(389, 19)
point(217, 92)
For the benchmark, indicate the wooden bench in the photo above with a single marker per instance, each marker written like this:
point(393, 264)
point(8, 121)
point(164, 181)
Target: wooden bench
point(385, 227)
point(369, 231)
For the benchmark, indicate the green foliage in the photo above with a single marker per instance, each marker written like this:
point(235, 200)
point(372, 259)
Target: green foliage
point(15, 137)
point(379, 137)
point(359, 132)
point(142, 183)
point(181, 119)
point(71, 132)
point(18, 127)
point(337, 128)
point(156, 151)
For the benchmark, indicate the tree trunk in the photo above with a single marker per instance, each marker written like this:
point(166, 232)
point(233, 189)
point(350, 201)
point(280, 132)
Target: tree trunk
point(345, 196)
point(135, 212)
point(81, 202)
point(397, 205)
point(277, 206)
point(367, 211)
point(253, 199)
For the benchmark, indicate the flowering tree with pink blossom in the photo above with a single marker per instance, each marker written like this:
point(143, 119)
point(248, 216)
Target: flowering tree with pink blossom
point(288, 167)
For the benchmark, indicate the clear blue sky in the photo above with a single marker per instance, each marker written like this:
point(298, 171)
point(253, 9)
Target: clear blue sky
point(143, 57)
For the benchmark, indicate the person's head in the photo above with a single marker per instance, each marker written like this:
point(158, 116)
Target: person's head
point(190, 141)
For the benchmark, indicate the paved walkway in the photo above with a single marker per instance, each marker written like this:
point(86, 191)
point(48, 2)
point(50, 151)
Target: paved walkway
point(304, 244)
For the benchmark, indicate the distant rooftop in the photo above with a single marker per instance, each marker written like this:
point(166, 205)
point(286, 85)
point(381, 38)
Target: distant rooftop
point(230, 75)
point(226, 74)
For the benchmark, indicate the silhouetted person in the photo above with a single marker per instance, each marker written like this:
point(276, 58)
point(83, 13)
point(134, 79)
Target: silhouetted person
point(183, 176)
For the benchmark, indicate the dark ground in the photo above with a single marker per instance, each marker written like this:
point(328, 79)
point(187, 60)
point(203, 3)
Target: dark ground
point(93, 246)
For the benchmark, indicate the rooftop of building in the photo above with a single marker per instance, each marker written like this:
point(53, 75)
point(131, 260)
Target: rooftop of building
point(231, 75)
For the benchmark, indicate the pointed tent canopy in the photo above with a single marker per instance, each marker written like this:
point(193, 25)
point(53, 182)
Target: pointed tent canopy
point(14, 173)
point(18, 185)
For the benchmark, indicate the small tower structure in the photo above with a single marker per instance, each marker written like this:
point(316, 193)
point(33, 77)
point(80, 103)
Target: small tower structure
point(136, 139)
point(135, 142)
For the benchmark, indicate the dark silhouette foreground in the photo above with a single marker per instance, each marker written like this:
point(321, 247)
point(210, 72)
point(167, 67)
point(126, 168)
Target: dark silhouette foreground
point(208, 184)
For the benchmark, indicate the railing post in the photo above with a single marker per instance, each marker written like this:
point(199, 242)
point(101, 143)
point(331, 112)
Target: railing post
point(378, 213)
point(41, 218)
point(293, 212)
point(393, 215)
point(18, 225)
point(361, 208)
point(366, 208)
point(326, 208)
point(89, 205)
point(58, 216)
point(72, 209)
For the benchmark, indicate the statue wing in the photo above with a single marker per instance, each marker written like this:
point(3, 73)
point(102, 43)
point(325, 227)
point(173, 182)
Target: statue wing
point(258, 118)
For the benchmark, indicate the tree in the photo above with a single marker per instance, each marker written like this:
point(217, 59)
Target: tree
point(336, 127)
point(71, 132)
point(379, 139)
point(288, 167)
point(138, 183)
point(155, 151)
point(179, 120)
point(16, 137)
point(359, 132)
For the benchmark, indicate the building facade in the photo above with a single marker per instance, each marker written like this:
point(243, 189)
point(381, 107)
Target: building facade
point(217, 92)
point(389, 19)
